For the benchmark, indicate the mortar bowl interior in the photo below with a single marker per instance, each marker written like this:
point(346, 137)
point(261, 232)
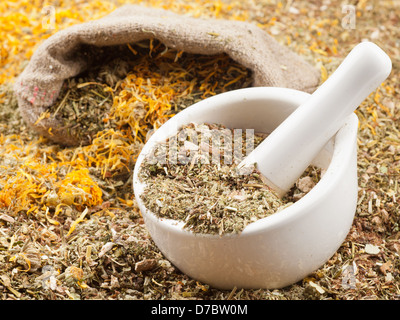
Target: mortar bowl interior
point(280, 249)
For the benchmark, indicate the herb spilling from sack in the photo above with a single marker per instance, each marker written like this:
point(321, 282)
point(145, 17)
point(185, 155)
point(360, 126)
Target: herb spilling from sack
point(193, 177)
point(134, 91)
point(139, 87)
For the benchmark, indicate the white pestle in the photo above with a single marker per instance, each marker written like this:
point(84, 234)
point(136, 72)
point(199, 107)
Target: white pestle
point(285, 154)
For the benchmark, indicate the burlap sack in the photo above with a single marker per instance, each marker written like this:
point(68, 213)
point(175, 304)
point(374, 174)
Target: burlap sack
point(60, 56)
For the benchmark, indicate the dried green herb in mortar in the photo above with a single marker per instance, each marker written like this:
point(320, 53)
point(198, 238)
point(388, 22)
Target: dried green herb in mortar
point(193, 177)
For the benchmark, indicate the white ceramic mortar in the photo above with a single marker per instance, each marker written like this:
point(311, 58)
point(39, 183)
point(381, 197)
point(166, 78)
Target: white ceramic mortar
point(280, 249)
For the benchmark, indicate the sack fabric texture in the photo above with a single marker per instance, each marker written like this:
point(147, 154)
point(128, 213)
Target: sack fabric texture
point(61, 56)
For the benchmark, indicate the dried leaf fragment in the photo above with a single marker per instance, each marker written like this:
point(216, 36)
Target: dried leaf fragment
point(107, 247)
point(145, 265)
point(371, 249)
point(305, 184)
point(7, 218)
point(75, 223)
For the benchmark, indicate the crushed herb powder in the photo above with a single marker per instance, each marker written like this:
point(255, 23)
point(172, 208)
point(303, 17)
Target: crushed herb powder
point(211, 196)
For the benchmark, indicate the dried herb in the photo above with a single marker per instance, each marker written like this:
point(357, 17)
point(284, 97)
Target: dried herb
point(199, 183)
point(81, 107)
point(10, 122)
point(317, 31)
point(139, 86)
